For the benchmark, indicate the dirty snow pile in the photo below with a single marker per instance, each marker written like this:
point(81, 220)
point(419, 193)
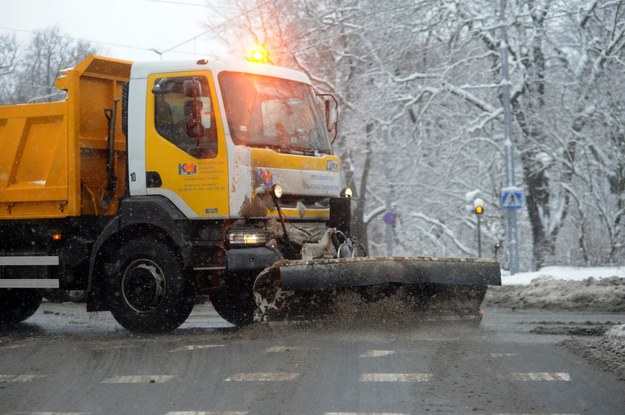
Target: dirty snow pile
point(577, 289)
point(607, 352)
point(562, 288)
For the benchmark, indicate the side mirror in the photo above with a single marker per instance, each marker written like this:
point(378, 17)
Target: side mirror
point(193, 118)
point(331, 111)
point(192, 88)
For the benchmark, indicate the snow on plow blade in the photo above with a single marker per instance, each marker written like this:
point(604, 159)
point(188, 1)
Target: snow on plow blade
point(436, 286)
point(324, 274)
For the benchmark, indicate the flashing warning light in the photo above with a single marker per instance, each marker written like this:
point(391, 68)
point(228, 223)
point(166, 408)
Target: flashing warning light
point(57, 236)
point(259, 54)
point(479, 210)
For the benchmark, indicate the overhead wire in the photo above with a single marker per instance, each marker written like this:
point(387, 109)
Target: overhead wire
point(214, 29)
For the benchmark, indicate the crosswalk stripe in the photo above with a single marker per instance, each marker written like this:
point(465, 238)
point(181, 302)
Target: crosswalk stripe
point(196, 347)
point(536, 376)
point(139, 379)
point(377, 353)
point(207, 413)
point(365, 413)
point(263, 377)
point(60, 413)
point(284, 349)
point(395, 377)
point(19, 378)
point(528, 413)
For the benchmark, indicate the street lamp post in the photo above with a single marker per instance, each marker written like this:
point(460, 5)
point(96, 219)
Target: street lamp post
point(513, 250)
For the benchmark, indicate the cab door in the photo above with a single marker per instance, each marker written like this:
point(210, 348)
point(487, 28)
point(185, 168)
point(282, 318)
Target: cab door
point(185, 152)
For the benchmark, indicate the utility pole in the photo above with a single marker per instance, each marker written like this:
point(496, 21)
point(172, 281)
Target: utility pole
point(513, 250)
point(389, 217)
point(478, 209)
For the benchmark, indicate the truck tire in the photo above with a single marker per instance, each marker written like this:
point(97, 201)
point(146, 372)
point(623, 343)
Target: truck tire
point(234, 301)
point(147, 289)
point(17, 304)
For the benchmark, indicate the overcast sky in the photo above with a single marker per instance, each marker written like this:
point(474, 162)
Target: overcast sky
point(125, 29)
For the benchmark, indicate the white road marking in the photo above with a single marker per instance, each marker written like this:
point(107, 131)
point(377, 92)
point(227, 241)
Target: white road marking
point(395, 377)
point(19, 378)
point(60, 413)
point(377, 353)
point(13, 346)
point(139, 379)
point(263, 377)
point(365, 413)
point(503, 354)
point(207, 413)
point(528, 413)
point(115, 347)
point(196, 347)
point(536, 376)
point(284, 349)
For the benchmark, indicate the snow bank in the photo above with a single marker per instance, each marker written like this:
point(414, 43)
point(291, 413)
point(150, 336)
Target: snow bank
point(607, 352)
point(562, 288)
point(562, 273)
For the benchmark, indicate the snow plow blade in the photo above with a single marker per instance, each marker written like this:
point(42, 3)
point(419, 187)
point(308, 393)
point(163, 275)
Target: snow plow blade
point(292, 289)
point(353, 272)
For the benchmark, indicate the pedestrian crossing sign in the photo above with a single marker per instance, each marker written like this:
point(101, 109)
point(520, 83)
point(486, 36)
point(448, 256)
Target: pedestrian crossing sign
point(511, 198)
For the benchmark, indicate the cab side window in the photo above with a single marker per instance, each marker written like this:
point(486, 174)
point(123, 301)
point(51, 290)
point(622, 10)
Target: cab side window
point(183, 114)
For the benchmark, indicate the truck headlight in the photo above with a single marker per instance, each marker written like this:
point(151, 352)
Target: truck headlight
point(247, 237)
point(276, 191)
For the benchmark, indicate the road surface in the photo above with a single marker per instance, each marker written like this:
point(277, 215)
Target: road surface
point(65, 361)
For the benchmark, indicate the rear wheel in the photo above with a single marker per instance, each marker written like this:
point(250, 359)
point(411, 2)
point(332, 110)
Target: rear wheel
point(147, 288)
point(17, 304)
point(234, 300)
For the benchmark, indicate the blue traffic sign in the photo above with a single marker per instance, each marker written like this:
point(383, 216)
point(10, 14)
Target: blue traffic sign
point(511, 198)
point(389, 218)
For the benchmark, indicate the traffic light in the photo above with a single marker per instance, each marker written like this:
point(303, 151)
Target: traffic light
point(478, 206)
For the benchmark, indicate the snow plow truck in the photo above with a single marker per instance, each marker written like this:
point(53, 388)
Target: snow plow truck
point(152, 183)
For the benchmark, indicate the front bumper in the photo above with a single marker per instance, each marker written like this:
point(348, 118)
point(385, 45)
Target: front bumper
point(250, 259)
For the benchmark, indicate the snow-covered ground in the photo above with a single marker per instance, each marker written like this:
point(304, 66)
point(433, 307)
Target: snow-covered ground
point(571, 288)
point(562, 273)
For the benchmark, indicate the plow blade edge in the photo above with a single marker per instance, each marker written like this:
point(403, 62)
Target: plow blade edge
point(323, 274)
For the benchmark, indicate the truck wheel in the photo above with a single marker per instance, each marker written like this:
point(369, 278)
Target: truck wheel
point(234, 301)
point(17, 304)
point(147, 289)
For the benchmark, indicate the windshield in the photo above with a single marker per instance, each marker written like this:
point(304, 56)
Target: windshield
point(273, 113)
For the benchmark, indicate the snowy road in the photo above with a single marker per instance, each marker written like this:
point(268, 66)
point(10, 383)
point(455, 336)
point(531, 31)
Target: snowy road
point(65, 361)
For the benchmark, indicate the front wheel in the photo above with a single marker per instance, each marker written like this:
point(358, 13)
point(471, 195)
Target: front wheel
point(147, 289)
point(17, 304)
point(234, 300)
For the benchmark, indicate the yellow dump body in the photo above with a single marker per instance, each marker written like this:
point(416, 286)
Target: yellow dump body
point(53, 155)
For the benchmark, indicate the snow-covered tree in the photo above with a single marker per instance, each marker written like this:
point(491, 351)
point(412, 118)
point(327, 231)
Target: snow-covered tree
point(429, 72)
point(35, 66)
